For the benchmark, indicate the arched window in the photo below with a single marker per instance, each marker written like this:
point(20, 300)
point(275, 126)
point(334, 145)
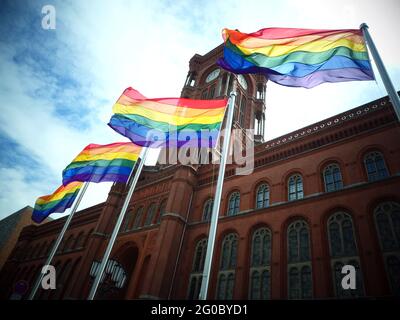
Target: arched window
point(242, 111)
point(68, 243)
point(226, 274)
point(299, 261)
point(88, 237)
point(295, 187)
point(138, 218)
point(130, 215)
point(211, 92)
point(197, 269)
point(61, 246)
point(343, 251)
point(234, 203)
point(260, 269)
point(161, 210)
point(80, 240)
point(207, 209)
point(332, 178)
point(150, 214)
point(237, 106)
point(387, 220)
point(262, 197)
point(375, 166)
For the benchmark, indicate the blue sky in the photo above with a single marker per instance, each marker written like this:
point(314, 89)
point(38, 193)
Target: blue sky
point(57, 86)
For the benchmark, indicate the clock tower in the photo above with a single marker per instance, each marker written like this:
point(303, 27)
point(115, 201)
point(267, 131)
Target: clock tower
point(206, 80)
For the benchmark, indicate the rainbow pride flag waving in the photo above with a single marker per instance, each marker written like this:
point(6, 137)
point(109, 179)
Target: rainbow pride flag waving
point(100, 163)
point(59, 201)
point(298, 57)
point(167, 121)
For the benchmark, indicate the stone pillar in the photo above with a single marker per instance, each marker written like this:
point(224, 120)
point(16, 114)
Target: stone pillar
point(157, 281)
point(276, 263)
point(320, 261)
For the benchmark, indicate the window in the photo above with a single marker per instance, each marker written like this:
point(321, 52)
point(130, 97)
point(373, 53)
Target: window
point(80, 240)
point(162, 210)
point(211, 92)
point(343, 251)
point(61, 246)
point(295, 187)
point(260, 91)
point(260, 270)
point(387, 221)
point(242, 110)
point(150, 214)
point(234, 203)
point(299, 261)
point(138, 218)
point(128, 220)
point(207, 209)
point(375, 166)
point(226, 274)
point(204, 94)
point(197, 269)
point(332, 178)
point(262, 197)
point(88, 237)
point(68, 245)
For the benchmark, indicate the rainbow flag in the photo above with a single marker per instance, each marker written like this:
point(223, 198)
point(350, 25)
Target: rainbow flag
point(59, 201)
point(298, 57)
point(167, 121)
point(99, 163)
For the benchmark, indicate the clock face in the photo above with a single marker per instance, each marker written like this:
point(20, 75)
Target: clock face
point(242, 81)
point(213, 75)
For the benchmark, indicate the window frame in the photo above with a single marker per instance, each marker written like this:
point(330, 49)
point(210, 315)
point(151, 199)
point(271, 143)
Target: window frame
point(297, 194)
point(337, 184)
point(299, 264)
point(265, 202)
point(235, 209)
point(378, 174)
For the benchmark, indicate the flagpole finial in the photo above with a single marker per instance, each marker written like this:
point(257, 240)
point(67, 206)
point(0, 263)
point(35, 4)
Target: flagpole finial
point(363, 26)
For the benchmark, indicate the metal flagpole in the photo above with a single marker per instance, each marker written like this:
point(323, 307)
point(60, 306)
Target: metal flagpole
point(218, 194)
point(114, 234)
point(394, 97)
point(57, 244)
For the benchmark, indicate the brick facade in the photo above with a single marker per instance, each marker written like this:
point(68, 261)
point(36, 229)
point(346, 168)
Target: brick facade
point(157, 260)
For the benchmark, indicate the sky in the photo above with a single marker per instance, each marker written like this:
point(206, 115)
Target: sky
point(57, 87)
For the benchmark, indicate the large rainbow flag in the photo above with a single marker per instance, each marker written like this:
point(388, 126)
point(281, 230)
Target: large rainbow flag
point(59, 201)
point(167, 121)
point(99, 163)
point(298, 57)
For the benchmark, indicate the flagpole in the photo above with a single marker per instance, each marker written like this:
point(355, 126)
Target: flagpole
point(218, 194)
point(394, 97)
point(58, 241)
point(114, 234)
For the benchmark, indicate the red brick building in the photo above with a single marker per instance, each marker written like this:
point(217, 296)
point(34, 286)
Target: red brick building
point(321, 197)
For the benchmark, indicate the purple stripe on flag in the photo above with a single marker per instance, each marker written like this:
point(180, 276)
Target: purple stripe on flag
point(106, 177)
point(318, 77)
